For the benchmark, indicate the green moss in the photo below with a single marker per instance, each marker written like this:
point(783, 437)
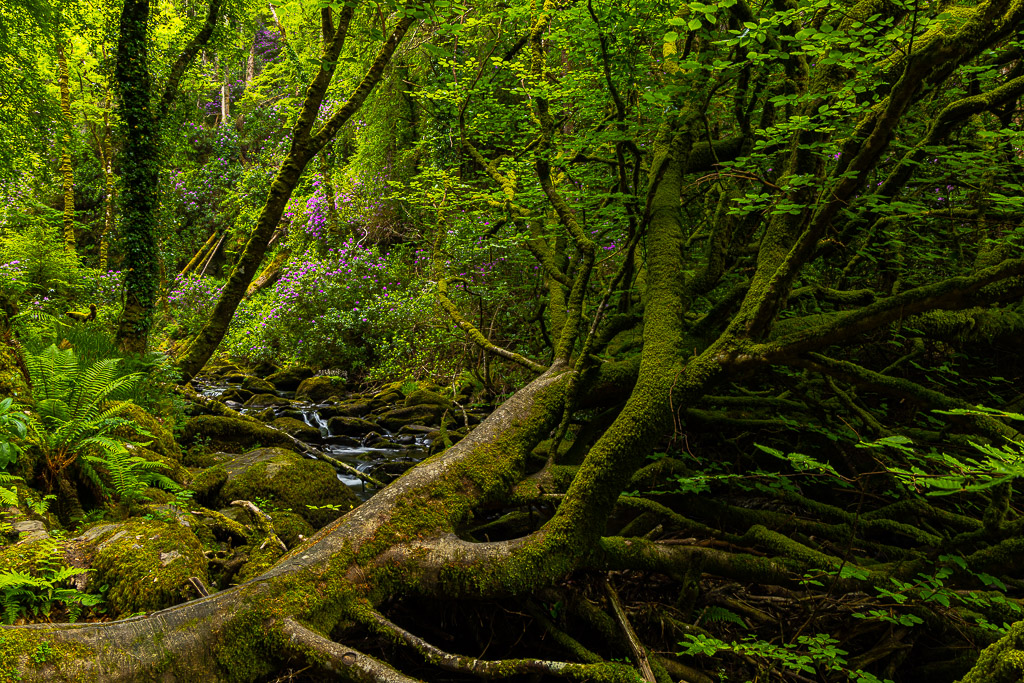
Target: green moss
point(25, 556)
point(161, 439)
point(245, 652)
point(231, 434)
point(290, 526)
point(147, 564)
point(1001, 662)
point(208, 483)
point(62, 658)
point(320, 388)
point(290, 481)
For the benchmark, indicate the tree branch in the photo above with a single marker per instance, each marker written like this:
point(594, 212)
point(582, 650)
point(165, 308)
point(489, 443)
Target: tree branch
point(476, 335)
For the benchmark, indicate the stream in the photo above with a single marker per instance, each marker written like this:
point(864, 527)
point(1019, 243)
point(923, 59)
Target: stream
point(384, 463)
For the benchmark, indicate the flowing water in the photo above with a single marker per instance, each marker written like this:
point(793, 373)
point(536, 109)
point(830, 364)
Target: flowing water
point(382, 463)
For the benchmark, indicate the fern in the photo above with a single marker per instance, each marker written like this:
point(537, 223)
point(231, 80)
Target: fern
point(8, 497)
point(26, 594)
point(716, 613)
point(129, 474)
point(75, 417)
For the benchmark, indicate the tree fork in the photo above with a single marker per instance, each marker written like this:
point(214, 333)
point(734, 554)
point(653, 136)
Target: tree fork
point(305, 145)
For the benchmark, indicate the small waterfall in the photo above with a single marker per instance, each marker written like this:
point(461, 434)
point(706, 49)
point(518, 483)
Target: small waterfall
point(313, 419)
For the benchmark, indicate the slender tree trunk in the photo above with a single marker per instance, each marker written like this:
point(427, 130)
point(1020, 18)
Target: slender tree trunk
point(199, 255)
point(225, 98)
point(67, 171)
point(305, 145)
point(107, 160)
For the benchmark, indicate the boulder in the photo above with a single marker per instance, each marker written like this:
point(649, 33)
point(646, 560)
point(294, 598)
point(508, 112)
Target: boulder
point(297, 428)
point(147, 563)
point(262, 400)
point(289, 481)
point(230, 434)
point(388, 396)
point(160, 437)
point(346, 409)
point(257, 385)
point(350, 426)
point(290, 527)
point(237, 395)
point(224, 370)
point(346, 441)
point(394, 420)
point(290, 378)
point(320, 388)
point(417, 430)
point(422, 397)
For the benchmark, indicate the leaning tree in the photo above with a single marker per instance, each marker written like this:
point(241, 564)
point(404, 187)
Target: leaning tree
point(773, 241)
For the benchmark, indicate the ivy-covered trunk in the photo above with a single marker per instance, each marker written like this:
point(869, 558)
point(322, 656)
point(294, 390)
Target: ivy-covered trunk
point(141, 116)
point(139, 199)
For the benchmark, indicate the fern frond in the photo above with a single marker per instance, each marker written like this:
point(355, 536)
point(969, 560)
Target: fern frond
point(64, 573)
point(716, 613)
point(85, 465)
point(8, 497)
point(16, 579)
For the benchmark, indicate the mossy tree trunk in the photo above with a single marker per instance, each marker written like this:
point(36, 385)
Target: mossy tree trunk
point(142, 112)
point(67, 169)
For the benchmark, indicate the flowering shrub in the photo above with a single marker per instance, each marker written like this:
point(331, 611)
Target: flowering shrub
point(192, 299)
point(318, 311)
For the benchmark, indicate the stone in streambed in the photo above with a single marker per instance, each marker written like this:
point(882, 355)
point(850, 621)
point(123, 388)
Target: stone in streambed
point(320, 388)
point(230, 434)
point(290, 481)
point(297, 428)
point(350, 426)
point(290, 378)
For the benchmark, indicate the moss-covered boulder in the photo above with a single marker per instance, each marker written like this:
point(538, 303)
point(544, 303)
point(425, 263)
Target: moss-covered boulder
point(239, 395)
point(320, 388)
point(224, 370)
point(297, 428)
point(290, 527)
point(354, 408)
point(231, 434)
point(207, 484)
point(264, 400)
point(394, 420)
point(257, 385)
point(289, 481)
point(388, 396)
point(160, 437)
point(421, 397)
point(290, 378)
point(350, 426)
point(28, 552)
point(147, 564)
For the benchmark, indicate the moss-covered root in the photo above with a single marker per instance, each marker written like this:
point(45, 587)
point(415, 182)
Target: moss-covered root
point(349, 664)
point(591, 673)
point(1002, 661)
